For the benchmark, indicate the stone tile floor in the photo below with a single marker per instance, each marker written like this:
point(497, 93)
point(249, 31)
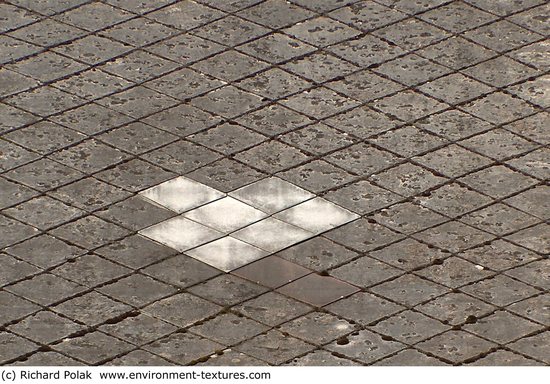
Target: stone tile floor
point(253, 182)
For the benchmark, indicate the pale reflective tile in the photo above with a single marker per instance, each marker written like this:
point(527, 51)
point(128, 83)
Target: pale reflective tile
point(226, 215)
point(272, 234)
point(272, 195)
point(181, 194)
point(317, 215)
point(180, 233)
point(227, 253)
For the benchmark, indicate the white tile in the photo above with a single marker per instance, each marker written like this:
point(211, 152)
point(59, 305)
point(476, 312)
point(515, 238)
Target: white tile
point(180, 233)
point(181, 194)
point(272, 195)
point(316, 215)
point(226, 215)
point(227, 253)
point(271, 234)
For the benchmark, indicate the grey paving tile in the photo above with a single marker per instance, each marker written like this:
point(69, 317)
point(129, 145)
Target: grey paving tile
point(499, 219)
point(320, 67)
point(183, 348)
point(534, 308)
point(138, 66)
point(367, 15)
point(410, 327)
point(274, 84)
point(45, 101)
point(139, 330)
point(47, 33)
point(409, 357)
point(323, 6)
point(272, 308)
point(498, 181)
point(407, 179)
point(14, 193)
point(504, 358)
point(137, 290)
point(91, 118)
point(453, 161)
point(18, 17)
point(139, 6)
point(184, 83)
point(457, 17)
point(45, 327)
point(139, 32)
point(44, 212)
point(180, 270)
point(533, 201)
point(93, 348)
point(534, 163)
point(322, 31)
point(13, 82)
point(318, 327)
point(365, 346)
point(412, 34)
point(185, 48)
point(132, 102)
point(317, 139)
point(456, 308)
point(14, 231)
point(46, 289)
point(533, 54)
point(500, 290)
point(229, 329)
point(226, 175)
point(90, 232)
point(499, 255)
point(408, 254)
point(14, 155)
point(454, 200)
point(230, 66)
point(535, 91)
point(456, 346)
point(364, 86)
point(320, 358)
point(272, 156)
point(319, 103)
point(411, 69)
point(456, 52)
point(45, 137)
point(376, 272)
point(227, 290)
point(47, 359)
point(453, 124)
point(45, 7)
point(230, 357)
point(274, 119)
point(409, 290)
point(493, 36)
point(366, 51)
point(275, 13)
point(172, 119)
point(534, 346)
point(453, 236)
point(271, 271)
point(503, 327)
point(45, 251)
point(455, 88)
point(93, 49)
point(454, 272)
point(500, 71)
point(15, 270)
point(14, 118)
point(505, 7)
point(94, 16)
point(362, 159)
point(363, 235)
point(58, 66)
point(137, 138)
point(141, 358)
point(228, 102)
point(14, 346)
point(409, 105)
point(13, 49)
point(231, 31)
point(132, 174)
point(186, 15)
point(408, 218)
point(227, 138)
point(535, 238)
point(90, 270)
point(168, 309)
point(535, 273)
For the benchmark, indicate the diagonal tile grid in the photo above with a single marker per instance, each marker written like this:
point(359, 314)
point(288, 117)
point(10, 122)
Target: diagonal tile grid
point(410, 140)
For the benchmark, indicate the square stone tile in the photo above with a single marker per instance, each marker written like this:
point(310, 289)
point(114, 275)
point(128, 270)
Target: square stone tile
point(457, 17)
point(59, 66)
point(318, 327)
point(365, 272)
point(456, 346)
point(408, 141)
point(91, 118)
point(535, 238)
point(227, 290)
point(535, 308)
point(272, 308)
point(407, 179)
point(409, 357)
point(535, 91)
point(44, 212)
point(226, 175)
point(322, 31)
point(15, 270)
point(453, 236)
point(365, 346)
point(172, 120)
point(318, 254)
point(317, 290)
point(183, 348)
point(503, 8)
point(227, 138)
point(169, 309)
point(504, 358)
point(228, 102)
point(499, 255)
point(47, 359)
point(19, 17)
point(498, 181)
point(180, 233)
point(139, 330)
point(453, 161)
point(94, 16)
point(213, 215)
point(410, 327)
point(14, 155)
point(363, 235)
point(455, 88)
point(13, 49)
point(92, 309)
point(231, 31)
point(184, 83)
point(138, 66)
point(137, 138)
point(411, 69)
point(408, 254)
point(409, 105)
point(533, 201)
point(503, 327)
point(139, 357)
point(274, 347)
point(16, 307)
point(14, 193)
point(181, 156)
point(90, 232)
point(138, 102)
point(273, 156)
point(533, 54)
point(139, 32)
point(364, 86)
point(90, 270)
point(137, 290)
point(456, 52)
point(498, 144)
point(362, 159)
point(454, 272)
point(231, 357)
point(456, 308)
point(274, 84)
point(47, 33)
point(500, 71)
point(135, 213)
point(362, 197)
point(181, 194)
point(408, 218)
point(13, 346)
point(502, 36)
point(45, 101)
point(139, 6)
point(275, 14)
point(534, 163)
point(271, 195)
point(316, 215)
point(273, 120)
point(229, 66)
point(490, 108)
point(323, 6)
point(44, 137)
point(14, 231)
point(320, 358)
point(186, 15)
point(364, 308)
point(46, 289)
point(317, 139)
point(271, 234)
point(319, 103)
point(409, 290)
point(453, 124)
point(499, 219)
point(180, 270)
point(14, 118)
point(367, 15)
point(92, 84)
point(366, 51)
point(44, 251)
point(320, 67)
point(271, 271)
point(227, 253)
point(500, 290)
point(534, 346)
point(185, 48)
point(412, 34)
point(229, 329)
point(93, 348)
point(532, 19)
point(454, 200)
